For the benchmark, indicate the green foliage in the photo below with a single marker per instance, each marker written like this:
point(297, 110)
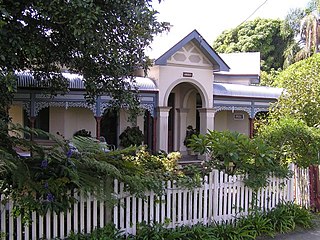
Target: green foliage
point(48, 178)
point(260, 35)
point(189, 133)
point(131, 136)
point(285, 217)
point(7, 89)
point(90, 37)
point(109, 232)
point(268, 78)
point(302, 96)
point(258, 223)
point(104, 41)
point(236, 153)
point(292, 141)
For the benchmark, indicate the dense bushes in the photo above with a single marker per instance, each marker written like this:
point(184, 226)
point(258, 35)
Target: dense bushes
point(44, 180)
point(278, 143)
point(284, 218)
point(236, 153)
point(292, 140)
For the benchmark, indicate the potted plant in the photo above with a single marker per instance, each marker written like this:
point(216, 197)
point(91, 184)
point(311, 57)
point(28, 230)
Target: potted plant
point(131, 136)
point(82, 133)
point(189, 133)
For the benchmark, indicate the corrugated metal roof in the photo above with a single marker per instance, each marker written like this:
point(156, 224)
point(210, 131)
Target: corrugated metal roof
point(237, 90)
point(25, 79)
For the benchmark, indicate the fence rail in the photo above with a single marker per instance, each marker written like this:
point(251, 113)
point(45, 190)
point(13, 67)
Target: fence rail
point(220, 198)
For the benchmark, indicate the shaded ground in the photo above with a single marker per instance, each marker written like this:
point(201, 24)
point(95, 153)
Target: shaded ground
point(301, 234)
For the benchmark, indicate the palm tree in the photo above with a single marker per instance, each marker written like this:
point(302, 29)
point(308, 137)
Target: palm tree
point(310, 31)
point(309, 35)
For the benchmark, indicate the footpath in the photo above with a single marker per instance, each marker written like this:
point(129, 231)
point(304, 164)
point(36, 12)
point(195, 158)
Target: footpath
point(301, 234)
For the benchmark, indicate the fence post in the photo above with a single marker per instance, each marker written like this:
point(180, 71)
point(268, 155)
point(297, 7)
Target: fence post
point(291, 184)
point(210, 211)
point(215, 194)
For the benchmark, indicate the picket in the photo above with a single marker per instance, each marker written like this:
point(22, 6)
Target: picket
point(220, 198)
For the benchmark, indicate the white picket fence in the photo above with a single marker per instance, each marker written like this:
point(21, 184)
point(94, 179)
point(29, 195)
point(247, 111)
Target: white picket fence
point(220, 198)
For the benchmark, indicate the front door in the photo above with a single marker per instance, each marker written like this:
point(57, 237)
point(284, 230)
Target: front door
point(109, 126)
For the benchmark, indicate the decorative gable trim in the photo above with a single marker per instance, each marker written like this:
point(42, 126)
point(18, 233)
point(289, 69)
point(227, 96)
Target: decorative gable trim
point(194, 37)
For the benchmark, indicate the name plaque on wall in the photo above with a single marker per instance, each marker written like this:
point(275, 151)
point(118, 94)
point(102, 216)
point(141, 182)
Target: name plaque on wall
point(187, 74)
point(238, 116)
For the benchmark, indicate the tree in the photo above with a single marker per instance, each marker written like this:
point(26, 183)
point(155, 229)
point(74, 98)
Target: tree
point(292, 23)
point(302, 95)
point(305, 25)
point(102, 40)
point(309, 35)
point(292, 140)
point(260, 35)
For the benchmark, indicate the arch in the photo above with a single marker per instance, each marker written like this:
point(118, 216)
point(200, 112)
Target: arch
point(186, 97)
point(193, 82)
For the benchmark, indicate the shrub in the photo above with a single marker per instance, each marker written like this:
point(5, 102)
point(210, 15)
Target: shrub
point(292, 140)
point(131, 136)
point(236, 153)
point(281, 219)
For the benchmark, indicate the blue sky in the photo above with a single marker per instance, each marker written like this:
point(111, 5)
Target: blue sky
point(211, 17)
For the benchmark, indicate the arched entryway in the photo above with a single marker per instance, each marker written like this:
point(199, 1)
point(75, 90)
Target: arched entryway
point(185, 103)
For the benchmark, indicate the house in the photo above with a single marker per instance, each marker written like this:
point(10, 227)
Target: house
point(190, 84)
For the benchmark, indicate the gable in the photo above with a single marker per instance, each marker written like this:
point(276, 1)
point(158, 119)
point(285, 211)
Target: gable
point(193, 49)
point(189, 55)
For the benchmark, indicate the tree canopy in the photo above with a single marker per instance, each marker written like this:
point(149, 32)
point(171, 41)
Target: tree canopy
point(302, 94)
point(102, 40)
point(260, 35)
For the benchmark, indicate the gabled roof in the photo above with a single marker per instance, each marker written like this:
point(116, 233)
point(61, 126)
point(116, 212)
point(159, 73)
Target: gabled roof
point(202, 44)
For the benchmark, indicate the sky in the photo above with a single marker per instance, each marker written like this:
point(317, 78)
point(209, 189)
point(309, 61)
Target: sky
point(211, 17)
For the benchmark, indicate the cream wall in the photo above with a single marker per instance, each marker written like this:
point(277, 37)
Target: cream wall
point(191, 116)
point(167, 77)
point(220, 121)
point(56, 120)
point(16, 113)
point(224, 120)
point(68, 121)
point(124, 123)
point(123, 116)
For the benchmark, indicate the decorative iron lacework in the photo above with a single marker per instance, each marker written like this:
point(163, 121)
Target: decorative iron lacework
point(260, 109)
point(44, 104)
point(252, 112)
point(231, 108)
point(26, 106)
point(104, 106)
point(149, 107)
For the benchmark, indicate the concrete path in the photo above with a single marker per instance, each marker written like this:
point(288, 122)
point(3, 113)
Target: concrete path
point(303, 235)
